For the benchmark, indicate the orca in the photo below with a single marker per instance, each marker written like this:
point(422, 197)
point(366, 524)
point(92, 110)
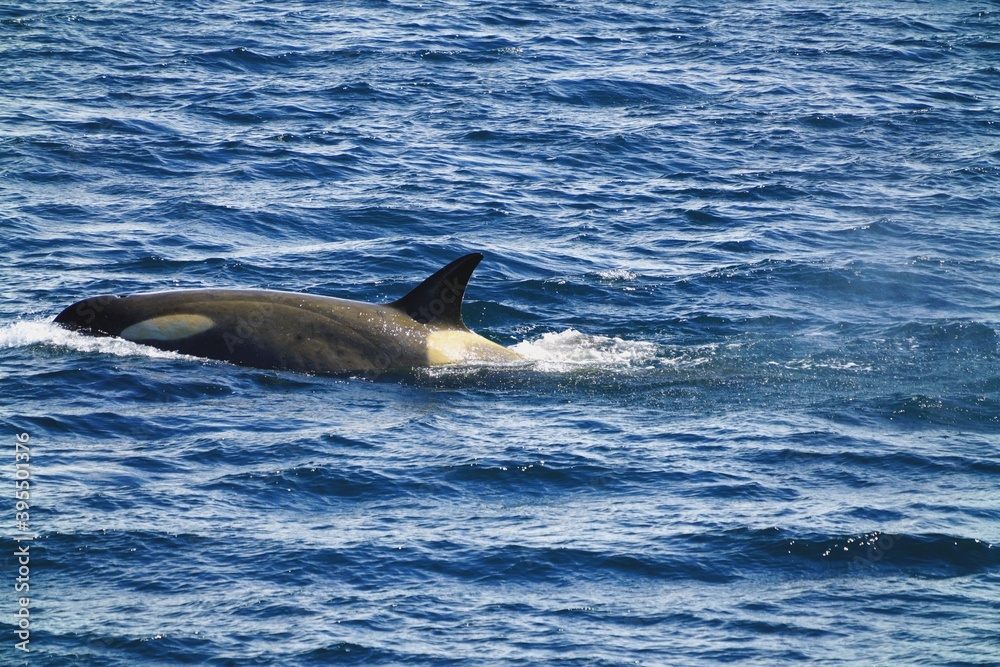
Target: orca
point(299, 332)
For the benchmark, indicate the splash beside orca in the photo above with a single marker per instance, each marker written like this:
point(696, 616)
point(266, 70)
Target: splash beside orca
point(299, 332)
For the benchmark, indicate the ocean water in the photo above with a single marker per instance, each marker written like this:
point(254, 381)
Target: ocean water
point(751, 250)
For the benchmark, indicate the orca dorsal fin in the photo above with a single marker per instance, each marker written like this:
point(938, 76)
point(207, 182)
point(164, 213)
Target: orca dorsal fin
point(438, 300)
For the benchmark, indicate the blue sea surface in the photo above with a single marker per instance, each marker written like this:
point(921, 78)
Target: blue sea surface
point(750, 249)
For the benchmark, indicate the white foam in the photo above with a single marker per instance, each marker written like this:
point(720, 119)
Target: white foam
point(617, 274)
point(25, 333)
point(809, 364)
point(570, 350)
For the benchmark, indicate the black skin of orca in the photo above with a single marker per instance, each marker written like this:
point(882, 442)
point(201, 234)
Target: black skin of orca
point(292, 331)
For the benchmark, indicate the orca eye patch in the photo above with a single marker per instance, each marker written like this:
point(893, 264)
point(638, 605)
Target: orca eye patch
point(168, 327)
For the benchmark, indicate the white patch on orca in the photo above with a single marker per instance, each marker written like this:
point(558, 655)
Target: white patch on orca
point(168, 327)
point(455, 347)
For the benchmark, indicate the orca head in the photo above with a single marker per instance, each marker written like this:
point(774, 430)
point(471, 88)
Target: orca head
point(99, 315)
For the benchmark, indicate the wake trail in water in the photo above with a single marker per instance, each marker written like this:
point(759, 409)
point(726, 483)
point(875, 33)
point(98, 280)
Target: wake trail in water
point(572, 350)
point(28, 333)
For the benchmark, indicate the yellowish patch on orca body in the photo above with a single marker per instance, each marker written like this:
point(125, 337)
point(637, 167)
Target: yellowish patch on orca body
point(456, 347)
point(168, 327)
